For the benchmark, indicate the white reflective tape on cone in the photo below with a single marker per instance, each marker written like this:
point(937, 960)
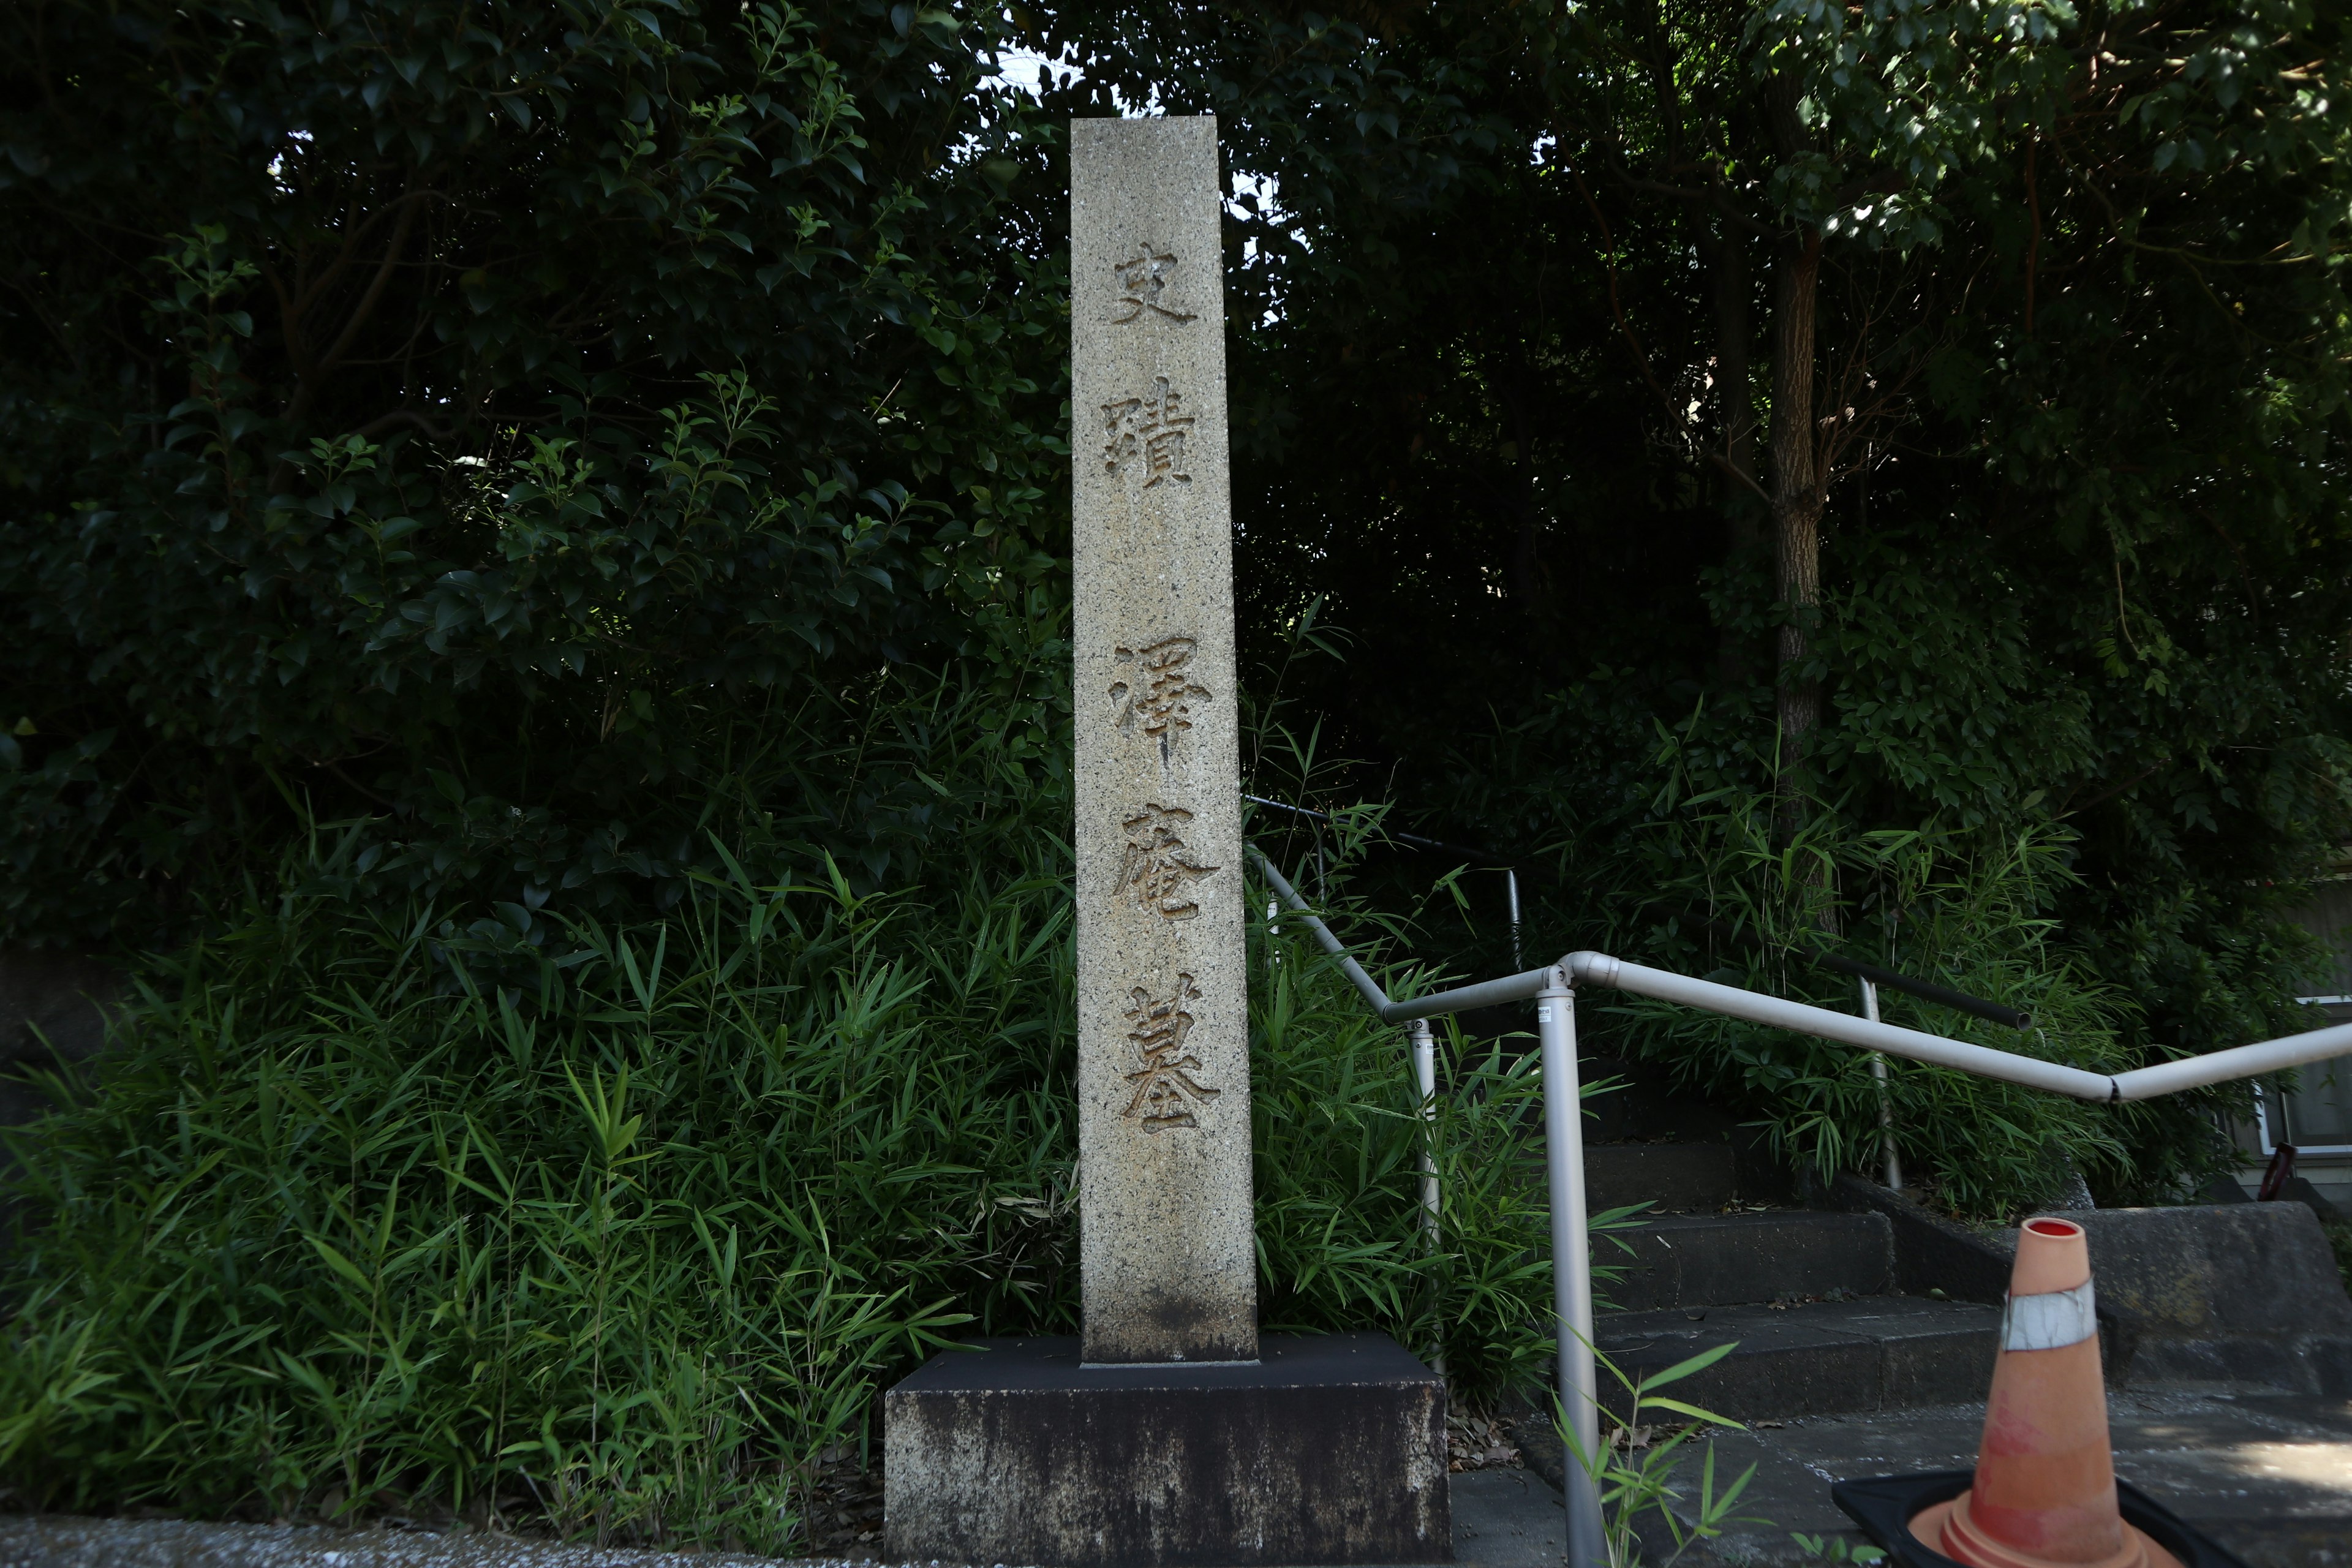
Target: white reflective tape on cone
point(2049, 1322)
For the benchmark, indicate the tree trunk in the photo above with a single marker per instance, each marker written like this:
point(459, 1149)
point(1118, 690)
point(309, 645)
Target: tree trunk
point(1797, 494)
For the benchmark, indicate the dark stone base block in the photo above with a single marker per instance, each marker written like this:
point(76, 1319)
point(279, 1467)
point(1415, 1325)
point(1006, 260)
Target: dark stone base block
point(1326, 1449)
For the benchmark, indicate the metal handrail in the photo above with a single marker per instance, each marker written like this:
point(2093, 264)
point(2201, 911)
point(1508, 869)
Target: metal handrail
point(1599, 969)
point(1553, 989)
point(1872, 975)
point(1488, 857)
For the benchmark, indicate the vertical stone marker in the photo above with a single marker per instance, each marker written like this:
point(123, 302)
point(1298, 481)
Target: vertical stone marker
point(1169, 1434)
point(1168, 1265)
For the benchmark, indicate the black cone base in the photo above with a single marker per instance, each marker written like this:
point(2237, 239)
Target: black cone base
point(1885, 1507)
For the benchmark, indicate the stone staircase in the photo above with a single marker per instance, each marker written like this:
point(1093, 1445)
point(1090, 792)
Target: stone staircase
point(1806, 1295)
point(1865, 1330)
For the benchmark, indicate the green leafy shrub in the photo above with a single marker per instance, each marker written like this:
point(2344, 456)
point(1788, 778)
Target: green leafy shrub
point(1340, 1143)
point(628, 1222)
point(1737, 896)
point(619, 1229)
point(497, 421)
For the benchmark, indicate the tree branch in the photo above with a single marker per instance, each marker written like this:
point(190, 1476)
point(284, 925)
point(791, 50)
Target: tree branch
point(1617, 307)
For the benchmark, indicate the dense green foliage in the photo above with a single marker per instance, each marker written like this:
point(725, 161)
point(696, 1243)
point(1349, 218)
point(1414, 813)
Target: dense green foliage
point(1515, 409)
point(497, 421)
point(1789, 476)
point(1980, 921)
point(621, 1234)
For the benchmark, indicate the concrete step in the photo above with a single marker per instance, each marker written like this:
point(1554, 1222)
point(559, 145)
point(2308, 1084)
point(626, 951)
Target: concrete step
point(1877, 1353)
point(1711, 1260)
point(1638, 1102)
point(1670, 1177)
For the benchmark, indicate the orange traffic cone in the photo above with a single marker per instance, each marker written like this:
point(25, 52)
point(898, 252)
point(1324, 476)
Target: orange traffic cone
point(2046, 1481)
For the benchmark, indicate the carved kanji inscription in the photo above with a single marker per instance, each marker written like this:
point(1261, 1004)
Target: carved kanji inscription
point(1143, 285)
point(1166, 1255)
point(1147, 433)
point(1159, 868)
point(1165, 1090)
point(1157, 697)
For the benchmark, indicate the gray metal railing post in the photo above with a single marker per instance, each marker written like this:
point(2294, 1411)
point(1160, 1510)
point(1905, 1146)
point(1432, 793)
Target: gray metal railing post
point(1424, 1071)
point(1571, 1266)
point(1511, 884)
point(1885, 1096)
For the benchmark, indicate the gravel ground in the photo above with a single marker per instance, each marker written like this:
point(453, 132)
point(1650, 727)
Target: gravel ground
point(1503, 1518)
point(63, 1542)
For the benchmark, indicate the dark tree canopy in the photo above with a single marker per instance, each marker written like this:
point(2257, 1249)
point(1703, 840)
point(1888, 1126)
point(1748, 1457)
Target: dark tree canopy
point(1933, 413)
point(525, 432)
point(494, 421)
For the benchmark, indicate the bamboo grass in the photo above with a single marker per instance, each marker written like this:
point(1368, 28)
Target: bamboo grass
point(616, 1232)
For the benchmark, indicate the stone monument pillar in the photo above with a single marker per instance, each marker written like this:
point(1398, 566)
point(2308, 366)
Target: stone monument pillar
point(1170, 1433)
point(1166, 1260)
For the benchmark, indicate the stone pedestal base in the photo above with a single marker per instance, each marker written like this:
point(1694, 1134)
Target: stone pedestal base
point(1326, 1449)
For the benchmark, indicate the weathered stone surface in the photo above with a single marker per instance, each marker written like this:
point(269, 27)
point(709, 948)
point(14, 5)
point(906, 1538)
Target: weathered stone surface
point(1506, 1519)
point(1329, 1449)
point(1166, 1434)
point(2244, 1292)
point(1931, 1252)
point(1166, 1264)
point(2245, 1269)
point(53, 1010)
point(2235, 1292)
point(1812, 1358)
point(1718, 1260)
point(1673, 1178)
point(54, 1005)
